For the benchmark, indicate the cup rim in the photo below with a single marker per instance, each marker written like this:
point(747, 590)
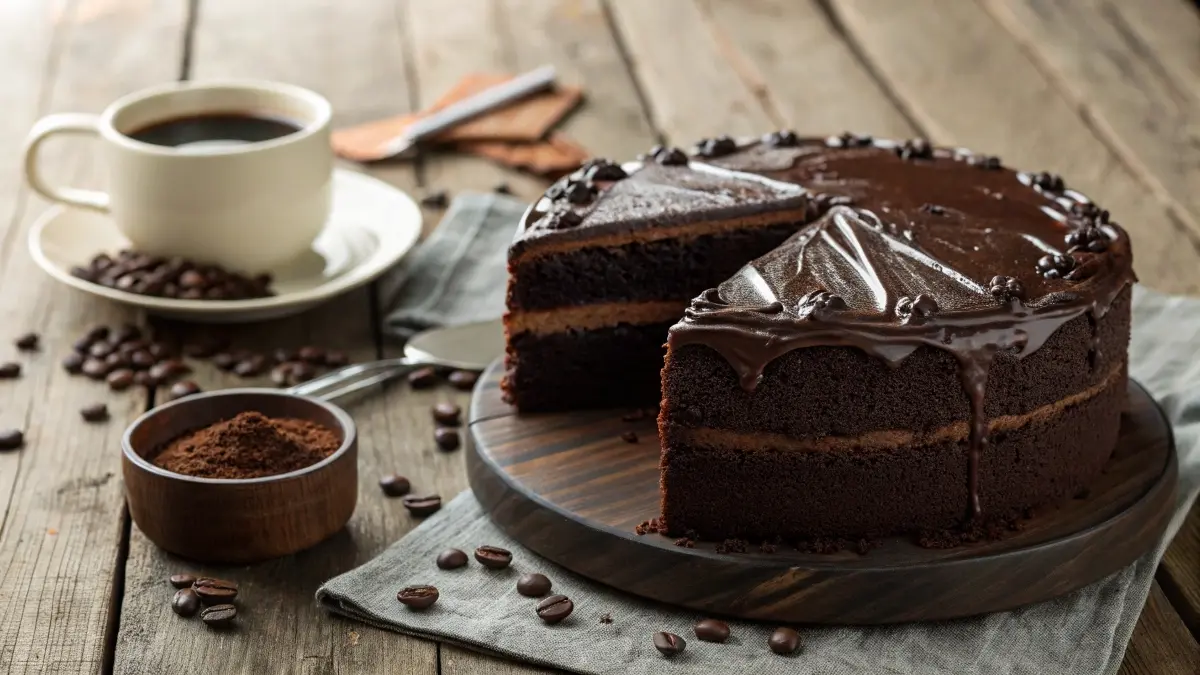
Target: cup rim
point(320, 122)
point(345, 422)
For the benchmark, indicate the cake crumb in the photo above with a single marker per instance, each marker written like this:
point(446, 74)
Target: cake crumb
point(652, 526)
point(685, 542)
point(606, 618)
point(732, 546)
point(767, 547)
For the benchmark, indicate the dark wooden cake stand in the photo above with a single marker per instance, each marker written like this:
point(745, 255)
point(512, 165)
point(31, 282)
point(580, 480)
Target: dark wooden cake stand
point(568, 487)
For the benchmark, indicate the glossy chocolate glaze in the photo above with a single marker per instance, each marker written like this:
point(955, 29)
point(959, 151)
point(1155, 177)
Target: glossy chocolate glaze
point(939, 248)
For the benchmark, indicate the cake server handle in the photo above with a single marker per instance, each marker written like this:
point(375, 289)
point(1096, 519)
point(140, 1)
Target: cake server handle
point(345, 381)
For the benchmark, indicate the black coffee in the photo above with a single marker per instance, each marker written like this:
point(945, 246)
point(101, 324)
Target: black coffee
point(215, 128)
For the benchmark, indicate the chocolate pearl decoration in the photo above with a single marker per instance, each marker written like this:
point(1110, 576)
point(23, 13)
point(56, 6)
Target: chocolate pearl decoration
point(668, 156)
point(1047, 182)
point(716, 147)
point(850, 140)
point(1006, 288)
point(602, 169)
point(562, 220)
point(990, 162)
point(580, 192)
point(1055, 266)
point(784, 138)
point(1089, 238)
point(920, 307)
point(917, 148)
point(818, 303)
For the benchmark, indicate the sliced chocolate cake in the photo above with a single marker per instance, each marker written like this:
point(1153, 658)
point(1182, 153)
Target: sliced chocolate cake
point(946, 341)
point(610, 257)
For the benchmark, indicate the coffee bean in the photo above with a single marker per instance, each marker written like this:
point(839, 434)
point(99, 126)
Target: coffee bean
point(224, 361)
point(463, 379)
point(784, 641)
point(141, 360)
point(117, 360)
point(493, 557)
point(712, 630)
point(300, 373)
point(418, 597)
point(335, 359)
point(96, 412)
point(186, 602)
point(555, 608)
point(132, 346)
point(629, 437)
point(28, 342)
point(502, 188)
point(125, 333)
point(284, 355)
point(101, 350)
point(163, 371)
point(73, 363)
point(422, 506)
point(533, 585)
point(120, 379)
point(218, 616)
point(82, 345)
point(448, 414)
point(451, 559)
point(394, 485)
point(446, 438)
point(11, 439)
point(96, 333)
point(437, 199)
point(182, 389)
point(182, 580)
point(279, 374)
point(96, 369)
point(215, 591)
point(669, 644)
point(313, 355)
point(422, 378)
point(251, 367)
point(10, 370)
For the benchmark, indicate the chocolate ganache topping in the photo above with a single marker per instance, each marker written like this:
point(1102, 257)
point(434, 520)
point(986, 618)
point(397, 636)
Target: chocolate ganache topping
point(912, 246)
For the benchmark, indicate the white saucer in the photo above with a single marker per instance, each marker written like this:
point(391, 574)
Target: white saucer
point(371, 227)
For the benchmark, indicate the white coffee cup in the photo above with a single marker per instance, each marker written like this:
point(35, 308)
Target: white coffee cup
point(247, 206)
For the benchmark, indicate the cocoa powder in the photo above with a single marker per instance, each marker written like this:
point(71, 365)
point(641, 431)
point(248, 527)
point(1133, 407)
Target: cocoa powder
point(248, 446)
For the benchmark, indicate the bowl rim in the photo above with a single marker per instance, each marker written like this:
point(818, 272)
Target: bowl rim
point(350, 437)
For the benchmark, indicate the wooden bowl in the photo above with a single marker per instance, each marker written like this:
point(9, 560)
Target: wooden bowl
point(238, 520)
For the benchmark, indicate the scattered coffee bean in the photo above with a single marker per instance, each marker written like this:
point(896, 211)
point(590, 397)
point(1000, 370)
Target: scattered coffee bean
point(186, 602)
point(422, 378)
point(712, 630)
point(131, 346)
point(313, 355)
point(224, 361)
point(669, 644)
point(120, 379)
point(182, 580)
point(463, 379)
point(493, 557)
point(629, 437)
point(215, 591)
point(164, 371)
point(141, 360)
point(447, 438)
point(183, 388)
point(437, 199)
point(96, 369)
point(284, 355)
point(11, 439)
point(448, 414)
point(555, 608)
point(300, 373)
point(418, 597)
point(451, 559)
point(10, 370)
point(218, 616)
point(336, 359)
point(96, 412)
point(784, 641)
point(101, 350)
point(502, 188)
point(73, 363)
point(117, 360)
point(96, 333)
point(394, 485)
point(280, 374)
point(533, 585)
point(251, 367)
point(28, 342)
point(422, 506)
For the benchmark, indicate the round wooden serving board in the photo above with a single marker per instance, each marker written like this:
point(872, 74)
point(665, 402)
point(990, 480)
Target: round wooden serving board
point(569, 488)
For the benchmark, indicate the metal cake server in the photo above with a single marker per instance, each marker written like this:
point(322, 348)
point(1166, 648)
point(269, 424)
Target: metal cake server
point(470, 346)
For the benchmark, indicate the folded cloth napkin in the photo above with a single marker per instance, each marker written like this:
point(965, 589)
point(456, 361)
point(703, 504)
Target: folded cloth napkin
point(458, 274)
point(1084, 632)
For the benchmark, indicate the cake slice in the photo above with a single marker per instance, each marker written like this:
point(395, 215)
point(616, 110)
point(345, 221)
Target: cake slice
point(947, 343)
point(607, 261)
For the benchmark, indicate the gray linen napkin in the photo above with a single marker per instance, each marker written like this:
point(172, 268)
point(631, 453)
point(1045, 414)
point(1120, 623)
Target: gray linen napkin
point(1083, 633)
point(457, 274)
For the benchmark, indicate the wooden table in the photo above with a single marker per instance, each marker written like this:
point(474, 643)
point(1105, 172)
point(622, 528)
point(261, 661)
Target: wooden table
point(1106, 92)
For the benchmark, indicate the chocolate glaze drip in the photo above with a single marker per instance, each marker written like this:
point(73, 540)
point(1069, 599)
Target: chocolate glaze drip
point(893, 245)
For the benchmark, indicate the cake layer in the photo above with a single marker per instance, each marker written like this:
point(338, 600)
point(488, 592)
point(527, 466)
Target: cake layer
point(722, 493)
point(617, 366)
point(592, 317)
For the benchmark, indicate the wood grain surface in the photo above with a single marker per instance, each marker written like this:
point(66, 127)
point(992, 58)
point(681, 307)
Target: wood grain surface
point(1101, 102)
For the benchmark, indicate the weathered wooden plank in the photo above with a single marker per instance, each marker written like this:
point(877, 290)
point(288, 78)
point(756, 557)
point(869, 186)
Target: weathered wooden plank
point(1179, 573)
point(1115, 73)
point(354, 55)
point(62, 530)
point(1161, 644)
point(459, 661)
point(966, 81)
point(794, 57)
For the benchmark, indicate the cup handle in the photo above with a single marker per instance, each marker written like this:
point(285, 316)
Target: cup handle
point(63, 123)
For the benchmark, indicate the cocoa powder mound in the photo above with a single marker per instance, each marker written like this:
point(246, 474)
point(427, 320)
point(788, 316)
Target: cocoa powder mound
point(250, 445)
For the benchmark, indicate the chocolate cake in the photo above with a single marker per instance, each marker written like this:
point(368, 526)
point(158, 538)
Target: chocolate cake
point(947, 345)
point(894, 337)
